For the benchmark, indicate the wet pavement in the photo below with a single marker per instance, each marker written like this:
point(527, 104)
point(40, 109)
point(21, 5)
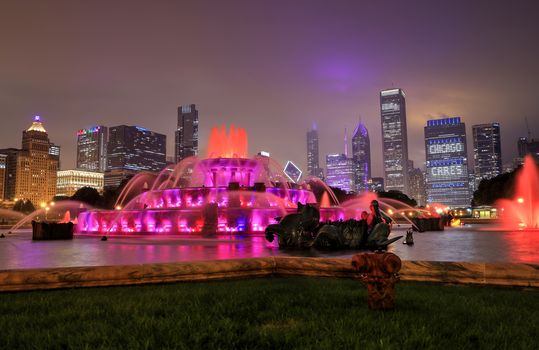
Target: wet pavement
point(472, 243)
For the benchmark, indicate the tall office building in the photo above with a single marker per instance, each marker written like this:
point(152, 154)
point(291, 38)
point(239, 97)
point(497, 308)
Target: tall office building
point(472, 183)
point(526, 147)
point(54, 152)
point(447, 162)
point(31, 171)
point(92, 148)
point(135, 148)
point(313, 158)
point(394, 139)
point(376, 184)
point(361, 154)
point(11, 155)
point(416, 179)
point(3, 175)
point(487, 151)
point(186, 144)
point(340, 172)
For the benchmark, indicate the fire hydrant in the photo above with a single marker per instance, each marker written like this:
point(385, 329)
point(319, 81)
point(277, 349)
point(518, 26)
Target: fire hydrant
point(379, 271)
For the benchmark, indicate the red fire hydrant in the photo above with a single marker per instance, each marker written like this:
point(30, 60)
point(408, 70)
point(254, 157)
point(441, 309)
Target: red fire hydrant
point(379, 271)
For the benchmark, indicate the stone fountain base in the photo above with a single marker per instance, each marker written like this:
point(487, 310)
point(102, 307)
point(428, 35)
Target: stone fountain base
point(44, 230)
point(429, 224)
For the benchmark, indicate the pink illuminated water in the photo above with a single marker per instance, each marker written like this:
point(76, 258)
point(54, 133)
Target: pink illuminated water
point(522, 211)
point(62, 211)
point(9, 215)
point(136, 185)
point(324, 203)
point(233, 145)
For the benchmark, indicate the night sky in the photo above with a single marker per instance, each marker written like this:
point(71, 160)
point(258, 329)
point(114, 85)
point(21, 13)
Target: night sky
point(272, 67)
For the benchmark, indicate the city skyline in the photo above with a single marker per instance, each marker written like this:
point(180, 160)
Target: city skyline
point(304, 72)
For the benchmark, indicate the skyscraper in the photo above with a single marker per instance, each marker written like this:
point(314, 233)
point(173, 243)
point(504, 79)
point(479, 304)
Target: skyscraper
point(54, 152)
point(447, 163)
point(92, 148)
point(416, 179)
point(526, 146)
point(376, 184)
point(313, 158)
point(487, 151)
point(10, 175)
point(31, 171)
point(394, 139)
point(522, 147)
point(135, 148)
point(361, 154)
point(186, 144)
point(340, 172)
point(131, 149)
point(3, 174)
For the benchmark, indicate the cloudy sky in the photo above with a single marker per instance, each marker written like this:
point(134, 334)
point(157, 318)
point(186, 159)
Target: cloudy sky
point(272, 67)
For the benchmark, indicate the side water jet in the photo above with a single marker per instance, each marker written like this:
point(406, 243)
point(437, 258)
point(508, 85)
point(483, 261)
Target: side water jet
point(60, 212)
point(522, 211)
point(140, 182)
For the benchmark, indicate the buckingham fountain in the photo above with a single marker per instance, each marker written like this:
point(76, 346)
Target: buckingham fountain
point(226, 192)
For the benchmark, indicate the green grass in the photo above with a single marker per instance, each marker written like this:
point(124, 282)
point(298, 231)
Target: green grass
point(270, 313)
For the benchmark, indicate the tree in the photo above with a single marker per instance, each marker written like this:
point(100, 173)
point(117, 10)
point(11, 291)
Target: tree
point(490, 190)
point(88, 195)
point(109, 198)
point(60, 198)
point(24, 206)
point(342, 196)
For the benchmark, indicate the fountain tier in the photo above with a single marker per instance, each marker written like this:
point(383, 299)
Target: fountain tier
point(241, 206)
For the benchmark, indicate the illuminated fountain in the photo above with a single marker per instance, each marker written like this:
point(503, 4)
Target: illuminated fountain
point(522, 212)
point(226, 192)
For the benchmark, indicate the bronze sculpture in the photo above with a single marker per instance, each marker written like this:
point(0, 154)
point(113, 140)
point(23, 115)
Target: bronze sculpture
point(303, 229)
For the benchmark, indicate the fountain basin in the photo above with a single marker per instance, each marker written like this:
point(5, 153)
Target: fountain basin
point(187, 220)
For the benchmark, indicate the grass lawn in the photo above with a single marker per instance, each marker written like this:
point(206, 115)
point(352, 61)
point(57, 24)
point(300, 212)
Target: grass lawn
point(270, 313)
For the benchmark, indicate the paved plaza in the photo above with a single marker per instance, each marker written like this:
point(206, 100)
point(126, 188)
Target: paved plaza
point(473, 244)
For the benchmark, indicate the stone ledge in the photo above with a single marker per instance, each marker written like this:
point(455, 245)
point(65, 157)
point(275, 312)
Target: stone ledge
point(93, 276)
point(500, 274)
